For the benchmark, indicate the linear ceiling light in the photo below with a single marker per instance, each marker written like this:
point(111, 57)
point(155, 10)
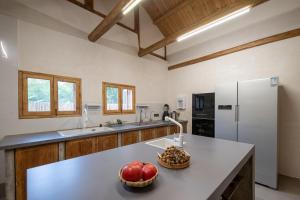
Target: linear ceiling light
point(217, 22)
point(4, 54)
point(130, 6)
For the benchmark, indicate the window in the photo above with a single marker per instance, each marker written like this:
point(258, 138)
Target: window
point(118, 98)
point(44, 95)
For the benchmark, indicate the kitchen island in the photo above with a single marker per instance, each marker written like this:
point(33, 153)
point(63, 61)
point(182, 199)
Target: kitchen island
point(218, 168)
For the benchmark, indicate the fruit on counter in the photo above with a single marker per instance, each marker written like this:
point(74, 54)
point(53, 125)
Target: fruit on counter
point(149, 171)
point(138, 171)
point(174, 155)
point(137, 162)
point(132, 172)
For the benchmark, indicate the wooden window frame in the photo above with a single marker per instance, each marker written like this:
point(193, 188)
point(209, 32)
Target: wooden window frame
point(23, 96)
point(120, 99)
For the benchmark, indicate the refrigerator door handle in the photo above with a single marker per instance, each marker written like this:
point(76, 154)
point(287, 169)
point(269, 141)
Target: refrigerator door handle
point(236, 113)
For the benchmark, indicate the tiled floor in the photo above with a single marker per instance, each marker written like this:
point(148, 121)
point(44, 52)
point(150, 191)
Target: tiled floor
point(289, 189)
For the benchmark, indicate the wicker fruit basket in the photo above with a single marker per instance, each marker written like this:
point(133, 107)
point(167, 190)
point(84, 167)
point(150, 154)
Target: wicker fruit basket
point(173, 166)
point(138, 184)
point(174, 158)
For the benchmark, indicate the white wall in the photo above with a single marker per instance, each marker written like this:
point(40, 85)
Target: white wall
point(52, 38)
point(280, 58)
point(8, 37)
point(47, 51)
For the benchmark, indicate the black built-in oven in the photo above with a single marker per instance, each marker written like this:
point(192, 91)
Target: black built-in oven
point(203, 114)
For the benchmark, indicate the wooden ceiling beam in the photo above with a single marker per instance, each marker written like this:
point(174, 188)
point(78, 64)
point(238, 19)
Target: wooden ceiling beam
point(89, 4)
point(172, 11)
point(259, 42)
point(220, 13)
point(109, 21)
point(92, 10)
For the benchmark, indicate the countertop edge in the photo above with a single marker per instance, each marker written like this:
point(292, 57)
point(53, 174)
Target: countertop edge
point(60, 138)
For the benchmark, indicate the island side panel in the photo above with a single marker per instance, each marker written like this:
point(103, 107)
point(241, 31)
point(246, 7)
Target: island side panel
point(242, 186)
point(245, 190)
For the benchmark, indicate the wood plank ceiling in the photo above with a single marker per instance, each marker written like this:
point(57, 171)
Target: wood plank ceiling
point(171, 16)
point(176, 17)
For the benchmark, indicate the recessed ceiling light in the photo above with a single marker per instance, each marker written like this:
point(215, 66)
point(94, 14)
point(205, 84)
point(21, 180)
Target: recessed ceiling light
point(217, 22)
point(130, 6)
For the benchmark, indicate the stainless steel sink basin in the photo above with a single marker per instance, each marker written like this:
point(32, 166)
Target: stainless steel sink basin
point(162, 143)
point(83, 131)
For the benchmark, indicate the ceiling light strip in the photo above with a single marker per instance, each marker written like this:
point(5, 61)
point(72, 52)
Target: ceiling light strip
point(217, 22)
point(130, 6)
point(4, 54)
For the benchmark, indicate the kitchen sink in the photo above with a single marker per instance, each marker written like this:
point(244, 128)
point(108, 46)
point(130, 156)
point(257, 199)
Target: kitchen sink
point(84, 131)
point(162, 143)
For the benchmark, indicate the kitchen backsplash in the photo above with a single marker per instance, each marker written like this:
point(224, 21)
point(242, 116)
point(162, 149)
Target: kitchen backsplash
point(96, 117)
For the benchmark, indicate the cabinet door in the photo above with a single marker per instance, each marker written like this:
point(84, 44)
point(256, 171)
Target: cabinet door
point(81, 147)
point(130, 138)
point(174, 129)
point(147, 134)
point(26, 158)
point(161, 131)
point(107, 142)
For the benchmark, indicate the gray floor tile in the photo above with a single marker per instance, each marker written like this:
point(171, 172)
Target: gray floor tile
point(289, 189)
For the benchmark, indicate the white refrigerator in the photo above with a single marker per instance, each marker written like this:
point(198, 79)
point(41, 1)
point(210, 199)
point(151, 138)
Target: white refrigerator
point(246, 111)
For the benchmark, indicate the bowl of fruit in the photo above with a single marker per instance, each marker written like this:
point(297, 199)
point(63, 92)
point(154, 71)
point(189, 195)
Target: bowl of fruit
point(138, 174)
point(174, 158)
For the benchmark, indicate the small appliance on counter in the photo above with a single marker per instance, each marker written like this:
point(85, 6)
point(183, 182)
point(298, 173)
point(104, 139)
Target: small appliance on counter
point(203, 114)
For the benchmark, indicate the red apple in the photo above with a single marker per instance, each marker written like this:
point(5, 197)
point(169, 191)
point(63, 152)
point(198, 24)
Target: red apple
point(137, 162)
point(149, 171)
point(132, 172)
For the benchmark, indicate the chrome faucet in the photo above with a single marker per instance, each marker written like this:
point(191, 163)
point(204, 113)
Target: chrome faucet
point(178, 140)
point(84, 118)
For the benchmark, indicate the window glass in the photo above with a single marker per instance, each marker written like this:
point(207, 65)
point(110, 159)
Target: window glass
point(112, 98)
point(118, 98)
point(66, 96)
point(127, 99)
point(38, 95)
